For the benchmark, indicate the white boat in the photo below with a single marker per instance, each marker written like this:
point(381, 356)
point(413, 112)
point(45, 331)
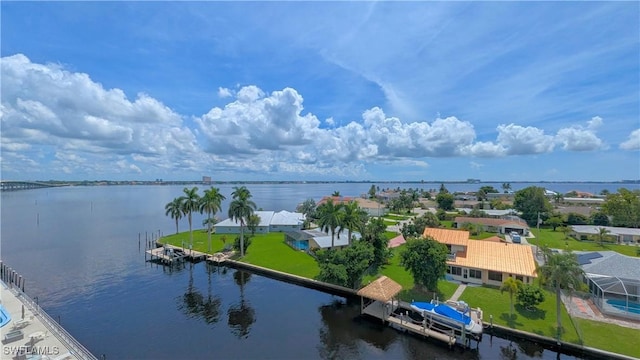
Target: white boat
point(446, 314)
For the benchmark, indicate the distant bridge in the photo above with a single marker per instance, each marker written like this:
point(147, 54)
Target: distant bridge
point(11, 185)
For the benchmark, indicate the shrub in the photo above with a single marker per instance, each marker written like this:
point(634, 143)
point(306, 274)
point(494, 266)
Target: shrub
point(530, 296)
point(247, 242)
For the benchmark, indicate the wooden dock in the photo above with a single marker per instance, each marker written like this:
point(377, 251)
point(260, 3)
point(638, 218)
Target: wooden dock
point(384, 311)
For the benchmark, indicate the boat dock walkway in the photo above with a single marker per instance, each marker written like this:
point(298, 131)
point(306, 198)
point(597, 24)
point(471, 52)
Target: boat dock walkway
point(169, 254)
point(379, 310)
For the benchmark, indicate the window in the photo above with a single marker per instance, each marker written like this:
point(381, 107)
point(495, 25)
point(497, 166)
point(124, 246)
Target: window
point(475, 274)
point(495, 276)
point(454, 270)
point(518, 277)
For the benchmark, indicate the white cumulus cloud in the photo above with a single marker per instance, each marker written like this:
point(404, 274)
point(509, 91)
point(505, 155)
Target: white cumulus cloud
point(633, 142)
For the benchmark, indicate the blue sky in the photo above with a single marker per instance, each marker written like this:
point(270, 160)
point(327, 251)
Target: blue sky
point(505, 91)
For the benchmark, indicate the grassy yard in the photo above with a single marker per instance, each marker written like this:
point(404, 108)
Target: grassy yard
point(396, 272)
point(390, 234)
point(270, 251)
point(609, 337)
point(542, 321)
point(200, 241)
point(557, 240)
point(389, 222)
point(397, 217)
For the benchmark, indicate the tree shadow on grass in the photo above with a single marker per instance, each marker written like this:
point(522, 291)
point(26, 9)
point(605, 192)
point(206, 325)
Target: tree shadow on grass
point(511, 321)
point(420, 293)
point(531, 314)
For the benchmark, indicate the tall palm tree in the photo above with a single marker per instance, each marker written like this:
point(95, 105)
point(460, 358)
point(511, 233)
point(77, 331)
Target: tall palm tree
point(506, 187)
point(511, 285)
point(240, 209)
point(353, 218)
point(330, 218)
point(561, 271)
point(188, 204)
point(558, 197)
point(211, 203)
point(173, 209)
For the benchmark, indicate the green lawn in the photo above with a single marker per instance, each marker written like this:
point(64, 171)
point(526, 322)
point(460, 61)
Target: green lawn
point(541, 320)
point(390, 234)
point(270, 251)
point(609, 337)
point(389, 222)
point(557, 240)
point(396, 217)
point(200, 242)
point(396, 272)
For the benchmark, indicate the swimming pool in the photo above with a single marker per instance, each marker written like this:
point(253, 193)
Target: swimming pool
point(622, 305)
point(300, 244)
point(4, 316)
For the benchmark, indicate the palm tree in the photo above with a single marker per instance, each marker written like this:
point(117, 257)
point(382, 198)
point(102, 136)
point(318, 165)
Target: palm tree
point(336, 193)
point(511, 285)
point(188, 204)
point(558, 197)
point(602, 234)
point(173, 209)
point(211, 203)
point(330, 217)
point(506, 187)
point(240, 209)
point(353, 218)
point(561, 271)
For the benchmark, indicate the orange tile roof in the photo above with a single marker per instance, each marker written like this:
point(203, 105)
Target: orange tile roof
point(503, 257)
point(335, 199)
point(447, 236)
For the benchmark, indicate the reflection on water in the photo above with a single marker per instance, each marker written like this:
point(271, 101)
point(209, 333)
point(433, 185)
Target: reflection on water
point(241, 315)
point(195, 305)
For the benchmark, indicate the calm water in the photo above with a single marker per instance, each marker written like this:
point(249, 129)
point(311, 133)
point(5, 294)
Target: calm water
point(78, 249)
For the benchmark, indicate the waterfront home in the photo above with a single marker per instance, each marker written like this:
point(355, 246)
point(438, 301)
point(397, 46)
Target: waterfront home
point(505, 225)
point(620, 234)
point(491, 213)
point(484, 262)
point(318, 239)
point(270, 221)
point(373, 208)
point(614, 282)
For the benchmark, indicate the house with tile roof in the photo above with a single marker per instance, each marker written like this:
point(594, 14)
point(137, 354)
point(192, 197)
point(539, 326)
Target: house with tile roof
point(503, 225)
point(484, 262)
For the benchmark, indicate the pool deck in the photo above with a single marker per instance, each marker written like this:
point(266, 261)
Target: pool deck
point(582, 308)
point(42, 337)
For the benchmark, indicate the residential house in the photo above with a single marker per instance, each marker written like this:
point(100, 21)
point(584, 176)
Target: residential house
point(620, 234)
point(484, 262)
point(373, 208)
point(318, 239)
point(504, 225)
point(270, 221)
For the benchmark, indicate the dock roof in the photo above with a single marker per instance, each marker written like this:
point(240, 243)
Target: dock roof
point(382, 289)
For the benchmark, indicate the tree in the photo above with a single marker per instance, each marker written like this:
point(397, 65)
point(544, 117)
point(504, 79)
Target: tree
point(445, 201)
point(511, 285)
point(576, 219)
point(372, 192)
point(599, 218)
point(624, 208)
point(558, 197)
point(561, 271)
point(308, 208)
point(554, 222)
point(426, 260)
point(346, 267)
point(174, 209)
point(336, 193)
point(252, 223)
point(240, 209)
point(330, 218)
point(487, 189)
point(532, 202)
point(506, 187)
point(374, 234)
point(188, 204)
point(353, 218)
point(443, 189)
point(602, 235)
point(211, 203)
point(416, 228)
point(530, 296)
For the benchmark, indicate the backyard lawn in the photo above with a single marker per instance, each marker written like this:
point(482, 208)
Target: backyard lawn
point(557, 240)
point(270, 251)
point(200, 240)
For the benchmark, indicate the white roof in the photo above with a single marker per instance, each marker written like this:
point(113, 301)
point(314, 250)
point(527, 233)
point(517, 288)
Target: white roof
point(323, 239)
point(285, 217)
point(490, 212)
point(595, 229)
point(268, 218)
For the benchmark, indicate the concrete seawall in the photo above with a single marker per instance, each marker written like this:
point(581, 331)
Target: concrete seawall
point(547, 342)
